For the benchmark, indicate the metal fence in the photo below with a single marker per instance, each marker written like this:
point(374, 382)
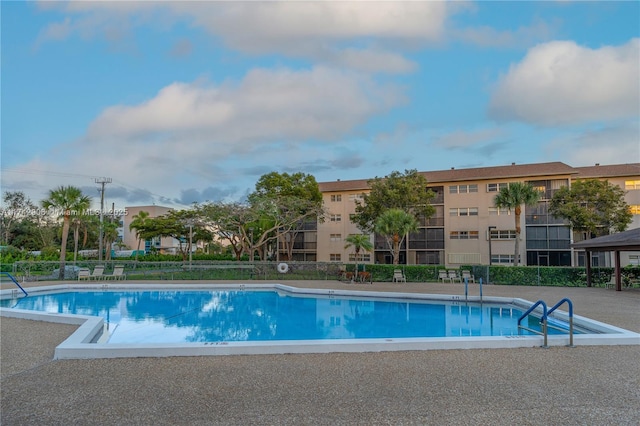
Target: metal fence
point(195, 270)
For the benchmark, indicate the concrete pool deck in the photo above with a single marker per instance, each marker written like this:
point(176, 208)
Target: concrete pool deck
point(583, 385)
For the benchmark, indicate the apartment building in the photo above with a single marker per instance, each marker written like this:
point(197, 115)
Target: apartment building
point(466, 227)
point(164, 245)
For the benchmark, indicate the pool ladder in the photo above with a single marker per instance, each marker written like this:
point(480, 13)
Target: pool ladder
point(14, 281)
point(544, 320)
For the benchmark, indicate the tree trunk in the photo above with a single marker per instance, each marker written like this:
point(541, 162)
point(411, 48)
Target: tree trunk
point(518, 212)
point(76, 237)
point(63, 247)
point(138, 248)
point(396, 249)
point(356, 273)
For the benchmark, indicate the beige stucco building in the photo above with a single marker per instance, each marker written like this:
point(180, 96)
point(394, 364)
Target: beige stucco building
point(467, 228)
point(166, 245)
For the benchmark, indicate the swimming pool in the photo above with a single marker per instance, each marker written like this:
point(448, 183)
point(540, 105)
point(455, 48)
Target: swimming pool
point(129, 320)
point(231, 315)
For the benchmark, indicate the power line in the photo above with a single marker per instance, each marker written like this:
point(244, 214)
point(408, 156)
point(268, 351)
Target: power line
point(161, 198)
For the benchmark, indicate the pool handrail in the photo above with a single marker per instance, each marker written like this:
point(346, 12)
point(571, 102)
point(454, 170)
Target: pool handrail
point(570, 304)
point(543, 320)
point(15, 282)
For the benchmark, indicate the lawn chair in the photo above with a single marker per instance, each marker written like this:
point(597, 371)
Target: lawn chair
point(466, 275)
point(442, 275)
point(118, 273)
point(452, 275)
point(83, 274)
point(97, 273)
point(398, 276)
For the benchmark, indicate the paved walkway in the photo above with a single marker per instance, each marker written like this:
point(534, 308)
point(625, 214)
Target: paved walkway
point(584, 385)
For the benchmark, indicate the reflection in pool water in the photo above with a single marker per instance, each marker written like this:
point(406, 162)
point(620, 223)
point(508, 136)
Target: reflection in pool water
point(231, 315)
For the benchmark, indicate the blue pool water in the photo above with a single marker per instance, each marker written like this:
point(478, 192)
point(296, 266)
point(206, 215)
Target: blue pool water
point(230, 316)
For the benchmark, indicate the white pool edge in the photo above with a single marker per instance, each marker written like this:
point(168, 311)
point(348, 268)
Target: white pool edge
point(78, 345)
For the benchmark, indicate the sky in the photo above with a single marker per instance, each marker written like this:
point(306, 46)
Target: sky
point(183, 102)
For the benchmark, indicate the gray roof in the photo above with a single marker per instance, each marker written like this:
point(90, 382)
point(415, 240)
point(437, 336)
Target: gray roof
point(622, 241)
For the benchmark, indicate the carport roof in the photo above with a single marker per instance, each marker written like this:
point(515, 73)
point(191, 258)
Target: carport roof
point(622, 241)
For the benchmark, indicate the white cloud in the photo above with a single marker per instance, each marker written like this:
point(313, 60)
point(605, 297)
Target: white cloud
point(218, 136)
point(560, 83)
point(587, 147)
point(267, 105)
point(265, 26)
point(523, 36)
point(318, 30)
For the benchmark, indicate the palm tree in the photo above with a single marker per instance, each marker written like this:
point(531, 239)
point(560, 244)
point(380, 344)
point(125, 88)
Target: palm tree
point(110, 234)
point(138, 224)
point(80, 221)
point(394, 225)
point(358, 242)
point(513, 197)
point(68, 200)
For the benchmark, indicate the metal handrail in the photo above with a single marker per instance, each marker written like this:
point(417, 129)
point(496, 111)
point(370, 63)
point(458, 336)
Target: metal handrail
point(570, 304)
point(15, 282)
point(543, 320)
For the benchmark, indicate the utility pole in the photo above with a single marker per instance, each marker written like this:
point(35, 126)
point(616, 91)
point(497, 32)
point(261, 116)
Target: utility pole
point(102, 181)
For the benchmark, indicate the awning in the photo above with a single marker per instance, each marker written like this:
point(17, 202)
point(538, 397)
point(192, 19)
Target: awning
point(622, 241)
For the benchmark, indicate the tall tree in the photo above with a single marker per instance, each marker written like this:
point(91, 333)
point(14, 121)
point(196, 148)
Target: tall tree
point(66, 201)
point(230, 221)
point(298, 192)
point(513, 197)
point(138, 224)
point(80, 221)
point(17, 206)
point(593, 206)
point(359, 242)
point(394, 225)
point(405, 191)
point(109, 236)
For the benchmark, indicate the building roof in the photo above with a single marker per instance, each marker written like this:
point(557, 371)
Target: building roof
point(622, 241)
point(454, 175)
point(344, 185)
point(499, 172)
point(613, 170)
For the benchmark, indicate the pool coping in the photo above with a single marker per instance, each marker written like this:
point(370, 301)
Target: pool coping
point(79, 344)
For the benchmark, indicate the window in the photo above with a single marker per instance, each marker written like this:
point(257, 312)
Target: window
point(496, 187)
point(464, 211)
point(634, 260)
point(362, 257)
point(494, 211)
point(335, 218)
point(334, 257)
point(503, 234)
point(354, 197)
point(462, 189)
point(635, 209)
point(632, 184)
point(540, 188)
point(336, 198)
point(335, 237)
point(502, 259)
point(463, 235)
